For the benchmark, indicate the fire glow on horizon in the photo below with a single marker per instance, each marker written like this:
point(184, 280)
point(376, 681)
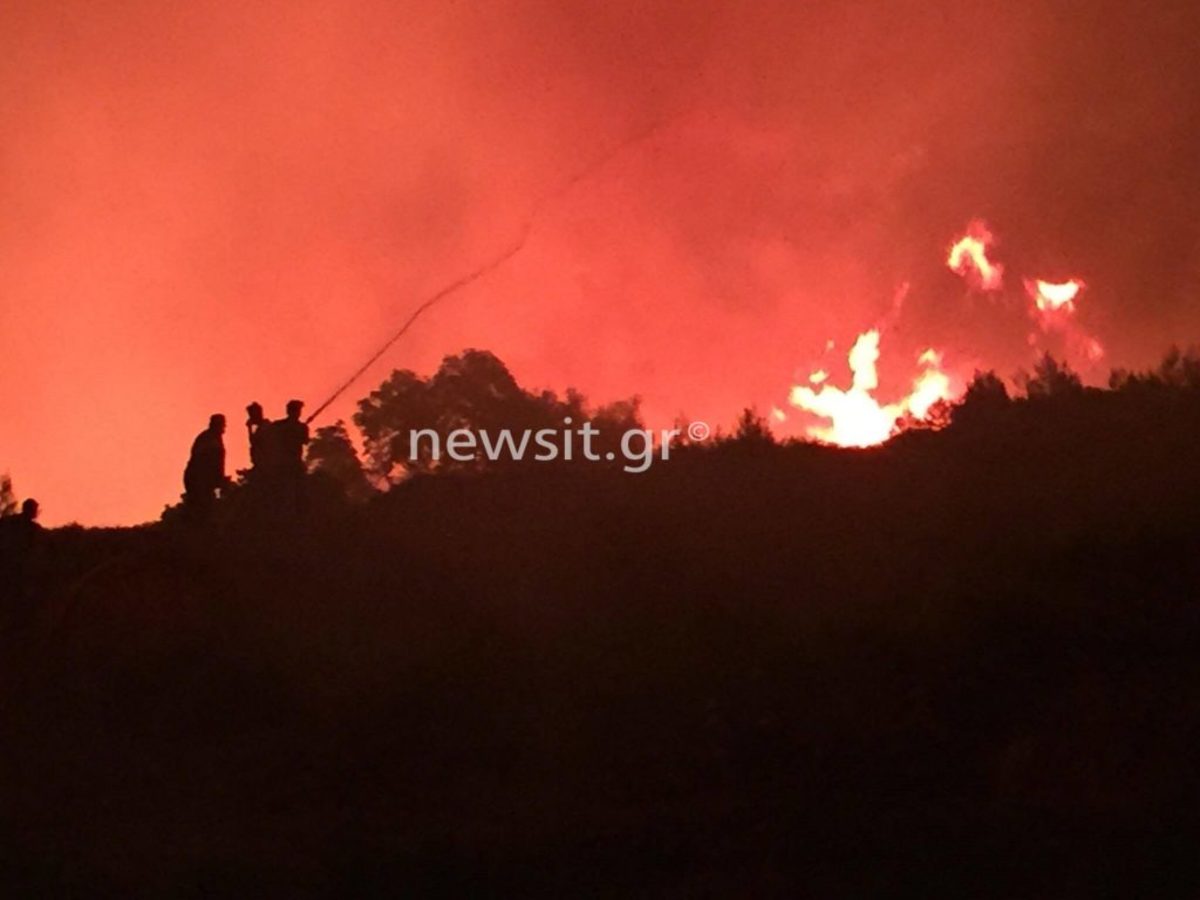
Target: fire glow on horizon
point(214, 203)
point(856, 418)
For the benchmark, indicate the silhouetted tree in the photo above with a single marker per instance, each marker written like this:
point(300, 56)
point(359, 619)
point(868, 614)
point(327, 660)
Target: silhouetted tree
point(752, 428)
point(939, 414)
point(473, 390)
point(1051, 380)
point(1122, 380)
point(936, 417)
point(985, 397)
point(400, 404)
point(332, 458)
point(619, 416)
point(8, 500)
point(1179, 370)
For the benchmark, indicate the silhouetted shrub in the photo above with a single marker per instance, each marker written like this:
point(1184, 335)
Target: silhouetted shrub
point(752, 428)
point(8, 500)
point(985, 398)
point(1178, 371)
point(1051, 380)
point(332, 458)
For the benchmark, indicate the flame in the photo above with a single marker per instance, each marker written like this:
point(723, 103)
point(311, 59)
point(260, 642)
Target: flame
point(969, 258)
point(931, 385)
point(856, 418)
point(1050, 296)
point(1054, 306)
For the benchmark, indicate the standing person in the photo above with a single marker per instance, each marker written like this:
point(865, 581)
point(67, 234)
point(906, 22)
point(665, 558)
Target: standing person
point(264, 458)
point(288, 439)
point(262, 481)
point(205, 472)
point(22, 528)
point(258, 431)
point(20, 541)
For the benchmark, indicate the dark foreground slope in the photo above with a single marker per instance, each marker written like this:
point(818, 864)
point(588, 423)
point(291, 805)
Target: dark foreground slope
point(966, 662)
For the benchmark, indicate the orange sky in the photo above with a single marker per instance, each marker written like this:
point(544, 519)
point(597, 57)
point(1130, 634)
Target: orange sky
point(209, 203)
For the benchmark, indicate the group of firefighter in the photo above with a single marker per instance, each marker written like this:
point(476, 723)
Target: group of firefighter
point(275, 479)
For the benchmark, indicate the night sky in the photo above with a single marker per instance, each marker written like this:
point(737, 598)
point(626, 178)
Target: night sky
point(204, 204)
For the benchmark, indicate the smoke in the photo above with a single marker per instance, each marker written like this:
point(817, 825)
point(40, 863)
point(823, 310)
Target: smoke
point(210, 203)
point(479, 272)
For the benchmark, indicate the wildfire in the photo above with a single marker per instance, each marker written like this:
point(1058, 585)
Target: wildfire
point(969, 258)
point(931, 385)
point(1050, 296)
point(1054, 309)
point(856, 418)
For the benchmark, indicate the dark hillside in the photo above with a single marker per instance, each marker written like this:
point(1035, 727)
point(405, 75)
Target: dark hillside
point(966, 662)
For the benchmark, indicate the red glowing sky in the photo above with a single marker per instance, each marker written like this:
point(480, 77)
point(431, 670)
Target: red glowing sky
point(209, 203)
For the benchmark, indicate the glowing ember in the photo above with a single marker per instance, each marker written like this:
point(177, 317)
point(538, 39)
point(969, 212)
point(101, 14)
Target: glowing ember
point(856, 418)
point(969, 258)
point(1049, 295)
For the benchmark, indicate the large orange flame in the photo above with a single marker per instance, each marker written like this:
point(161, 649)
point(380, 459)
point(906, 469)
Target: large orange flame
point(1054, 306)
point(1050, 295)
point(931, 385)
point(856, 418)
point(969, 258)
